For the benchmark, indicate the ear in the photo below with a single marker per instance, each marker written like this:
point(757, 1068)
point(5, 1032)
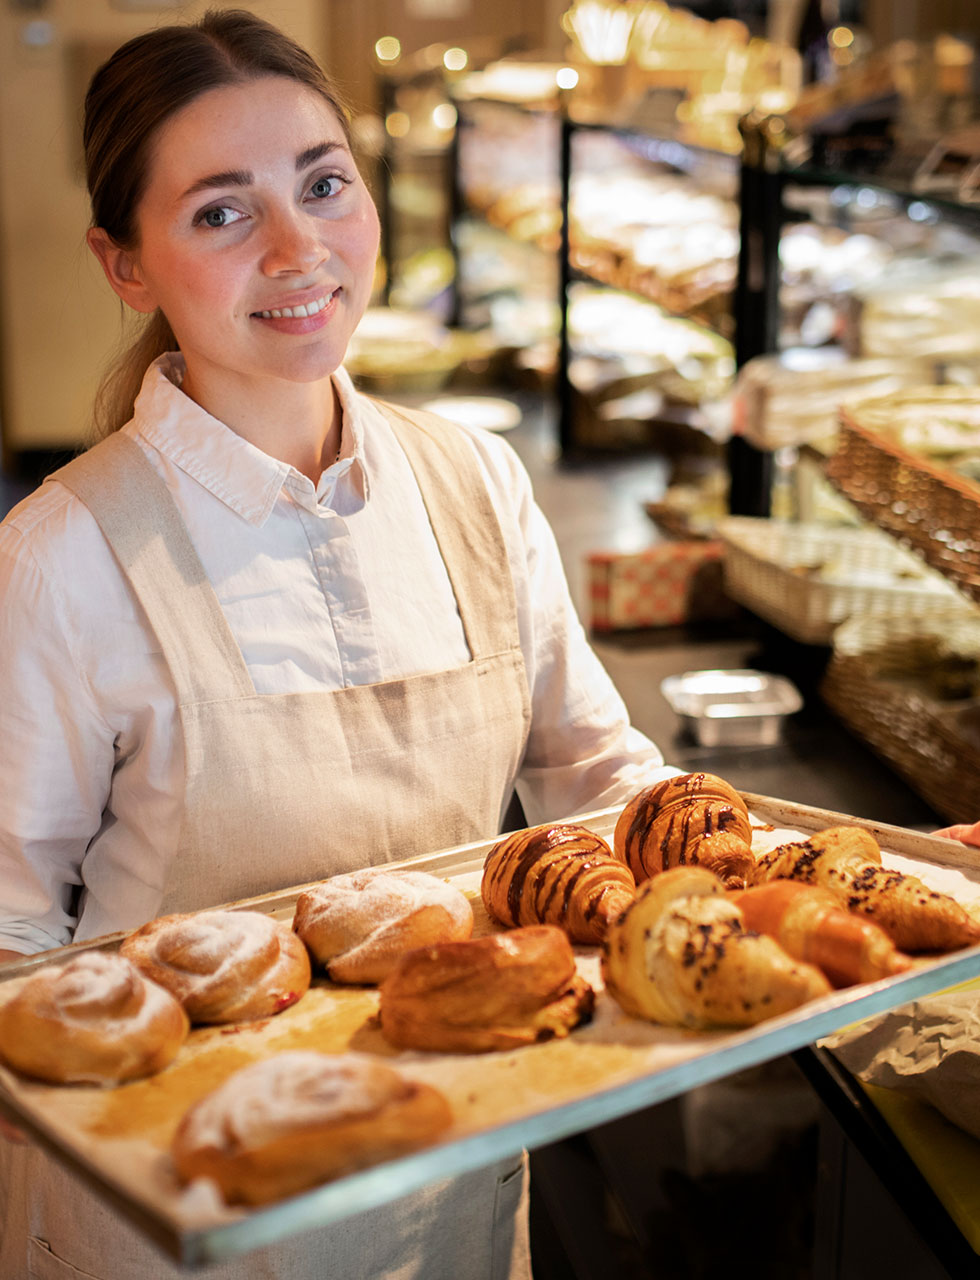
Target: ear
point(122, 270)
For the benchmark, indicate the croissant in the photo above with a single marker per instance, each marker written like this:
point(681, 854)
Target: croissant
point(847, 861)
point(300, 1118)
point(562, 874)
point(811, 924)
point(93, 1020)
point(680, 955)
point(223, 966)
point(681, 821)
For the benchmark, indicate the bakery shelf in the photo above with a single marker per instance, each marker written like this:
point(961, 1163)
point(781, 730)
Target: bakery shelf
point(502, 1101)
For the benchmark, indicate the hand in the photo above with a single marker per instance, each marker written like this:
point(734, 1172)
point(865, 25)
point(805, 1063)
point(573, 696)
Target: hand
point(963, 832)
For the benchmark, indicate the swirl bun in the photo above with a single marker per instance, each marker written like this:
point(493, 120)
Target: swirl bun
point(223, 966)
point(93, 1020)
point(357, 925)
point(497, 992)
point(300, 1118)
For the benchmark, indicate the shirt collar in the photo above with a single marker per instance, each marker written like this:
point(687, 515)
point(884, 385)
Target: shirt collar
point(238, 473)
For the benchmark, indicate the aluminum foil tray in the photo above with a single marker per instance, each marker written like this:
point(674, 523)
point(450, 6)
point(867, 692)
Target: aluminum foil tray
point(735, 707)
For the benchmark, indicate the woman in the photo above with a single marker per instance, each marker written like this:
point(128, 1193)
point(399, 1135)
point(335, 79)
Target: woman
point(267, 629)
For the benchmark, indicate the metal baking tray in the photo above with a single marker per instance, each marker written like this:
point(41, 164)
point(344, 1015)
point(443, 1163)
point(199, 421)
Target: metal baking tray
point(734, 707)
point(117, 1139)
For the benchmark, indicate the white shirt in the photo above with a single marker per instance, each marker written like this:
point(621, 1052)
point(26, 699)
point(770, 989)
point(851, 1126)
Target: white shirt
point(323, 587)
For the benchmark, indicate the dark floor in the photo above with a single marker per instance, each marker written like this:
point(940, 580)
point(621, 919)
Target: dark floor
point(726, 1174)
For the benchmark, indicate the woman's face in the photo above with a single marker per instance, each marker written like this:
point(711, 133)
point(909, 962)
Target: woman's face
point(257, 236)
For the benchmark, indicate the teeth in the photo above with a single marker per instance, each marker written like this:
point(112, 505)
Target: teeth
point(309, 309)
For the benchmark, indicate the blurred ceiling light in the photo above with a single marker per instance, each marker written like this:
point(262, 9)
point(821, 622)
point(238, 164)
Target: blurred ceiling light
point(455, 59)
point(566, 77)
point(388, 49)
point(397, 124)
point(444, 116)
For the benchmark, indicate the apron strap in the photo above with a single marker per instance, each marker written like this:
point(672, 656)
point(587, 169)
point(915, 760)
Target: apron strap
point(473, 550)
point(141, 523)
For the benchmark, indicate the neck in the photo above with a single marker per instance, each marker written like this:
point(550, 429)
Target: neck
point(298, 423)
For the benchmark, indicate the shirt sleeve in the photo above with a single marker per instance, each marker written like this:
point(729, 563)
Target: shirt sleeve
point(56, 758)
point(582, 752)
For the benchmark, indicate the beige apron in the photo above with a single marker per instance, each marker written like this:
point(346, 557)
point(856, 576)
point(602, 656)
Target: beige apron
point(283, 789)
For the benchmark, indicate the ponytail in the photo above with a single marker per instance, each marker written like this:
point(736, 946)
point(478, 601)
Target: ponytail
point(121, 383)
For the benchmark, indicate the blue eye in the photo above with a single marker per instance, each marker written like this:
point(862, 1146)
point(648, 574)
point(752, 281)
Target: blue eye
point(218, 216)
point(324, 187)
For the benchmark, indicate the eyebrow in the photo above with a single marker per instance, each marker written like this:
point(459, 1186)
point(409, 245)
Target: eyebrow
point(244, 177)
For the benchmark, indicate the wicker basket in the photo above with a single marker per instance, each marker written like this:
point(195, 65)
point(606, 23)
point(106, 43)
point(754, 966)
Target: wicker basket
point(806, 579)
point(913, 498)
point(878, 684)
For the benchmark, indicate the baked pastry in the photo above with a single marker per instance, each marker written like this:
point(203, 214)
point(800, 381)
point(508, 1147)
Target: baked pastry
point(560, 874)
point(357, 925)
point(223, 966)
point(665, 824)
point(497, 992)
point(812, 924)
point(93, 1020)
point(847, 861)
point(680, 955)
point(300, 1118)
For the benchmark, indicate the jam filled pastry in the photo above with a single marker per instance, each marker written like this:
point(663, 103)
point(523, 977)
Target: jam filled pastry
point(812, 924)
point(561, 874)
point(847, 861)
point(93, 1020)
point(680, 955)
point(223, 966)
point(693, 819)
point(498, 992)
point(357, 925)
point(300, 1118)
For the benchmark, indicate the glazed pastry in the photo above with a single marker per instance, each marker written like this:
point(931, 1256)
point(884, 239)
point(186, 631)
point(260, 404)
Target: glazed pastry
point(498, 992)
point(680, 955)
point(847, 861)
point(357, 925)
point(561, 874)
point(812, 924)
point(223, 966)
point(297, 1119)
point(664, 826)
point(92, 1020)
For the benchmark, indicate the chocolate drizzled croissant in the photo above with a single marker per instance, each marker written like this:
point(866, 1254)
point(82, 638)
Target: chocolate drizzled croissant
point(847, 860)
point(562, 874)
point(691, 819)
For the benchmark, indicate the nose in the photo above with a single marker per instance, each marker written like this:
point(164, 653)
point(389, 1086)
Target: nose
point(294, 243)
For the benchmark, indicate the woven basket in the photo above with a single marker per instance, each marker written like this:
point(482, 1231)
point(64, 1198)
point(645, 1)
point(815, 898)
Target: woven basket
point(913, 498)
point(806, 579)
point(877, 683)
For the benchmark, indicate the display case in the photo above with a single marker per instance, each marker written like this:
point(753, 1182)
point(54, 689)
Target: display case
point(605, 254)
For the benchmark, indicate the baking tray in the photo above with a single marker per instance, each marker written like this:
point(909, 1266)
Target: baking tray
point(116, 1139)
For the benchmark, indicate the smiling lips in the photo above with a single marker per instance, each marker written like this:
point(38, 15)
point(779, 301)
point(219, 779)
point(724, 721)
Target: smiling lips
point(298, 312)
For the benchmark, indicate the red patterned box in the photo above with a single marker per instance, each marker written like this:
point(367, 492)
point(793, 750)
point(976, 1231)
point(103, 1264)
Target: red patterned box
point(661, 586)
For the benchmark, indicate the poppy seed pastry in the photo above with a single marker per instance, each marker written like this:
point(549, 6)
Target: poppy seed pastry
point(497, 992)
point(92, 1020)
point(300, 1118)
point(357, 925)
point(223, 966)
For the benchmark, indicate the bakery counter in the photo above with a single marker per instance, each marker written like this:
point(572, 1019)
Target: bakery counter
point(500, 1101)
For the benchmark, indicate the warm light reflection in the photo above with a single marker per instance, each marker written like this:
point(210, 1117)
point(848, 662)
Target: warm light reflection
point(455, 59)
point(841, 37)
point(397, 124)
point(444, 116)
point(566, 78)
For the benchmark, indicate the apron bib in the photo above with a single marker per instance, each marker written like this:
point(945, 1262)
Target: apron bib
point(284, 789)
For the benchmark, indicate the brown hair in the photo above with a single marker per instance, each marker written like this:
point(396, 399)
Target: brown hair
point(130, 98)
